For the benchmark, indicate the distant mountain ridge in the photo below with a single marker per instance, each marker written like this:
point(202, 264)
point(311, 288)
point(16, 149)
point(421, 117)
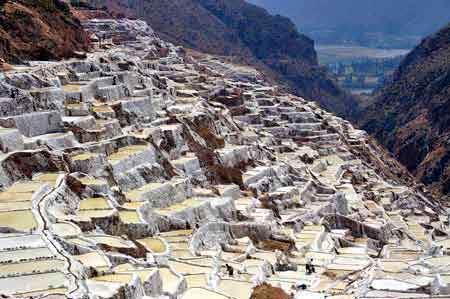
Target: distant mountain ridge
point(411, 115)
point(247, 33)
point(362, 20)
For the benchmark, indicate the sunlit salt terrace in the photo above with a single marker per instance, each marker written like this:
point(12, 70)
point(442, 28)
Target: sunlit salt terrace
point(147, 173)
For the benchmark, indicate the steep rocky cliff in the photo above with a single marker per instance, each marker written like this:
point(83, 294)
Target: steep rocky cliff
point(248, 34)
point(39, 30)
point(411, 115)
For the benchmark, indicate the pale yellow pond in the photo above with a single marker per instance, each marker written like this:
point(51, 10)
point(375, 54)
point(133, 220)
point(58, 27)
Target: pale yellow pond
point(129, 217)
point(86, 214)
point(122, 278)
point(200, 293)
point(20, 220)
point(15, 197)
point(93, 259)
point(31, 253)
point(84, 156)
point(135, 194)
point(49, 178)
point(10, 206)
point(170, 280)
point(94, 203)
point(72, 87)
point(47, 292)
point(153, 244)
point(236, 289)
point(196, 280)
point(92, 181)
point(24, 187)
point(124, 152)
point(28, 267)
point(188, 203)
point(112, 241)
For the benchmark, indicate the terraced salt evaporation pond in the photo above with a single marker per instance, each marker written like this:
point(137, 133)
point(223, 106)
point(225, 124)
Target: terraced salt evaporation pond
point(65, 229)
point(135, 195)
point(196, 281)
point(102, 123)
point(25, 254)
point(84, 156)
point(124, 274)
point(170, 280)
point(202, 293)
point(189, 267)
point(74, 106)
point(236, 289)
point(127, 268)
point(24, 187)
point(81, 242)
point(130, 217)
point(73, 87)
point(93, 259)
point(86, 215)
point(116, 242)
point(15, 202)
point(29, 267)
point(13, 197)
point(125, 152)
point(133, 205)
point(92, 181)
point(154, 245)
point(143, 274)
point(178, 207)
point(93, 207)
point(32, 283)
point(21, 220)
point(121, 278)
point(94, 203)
point(182, 253)
point(102, 109)
point(19, 205)
point(50, 293)
point(445, 243)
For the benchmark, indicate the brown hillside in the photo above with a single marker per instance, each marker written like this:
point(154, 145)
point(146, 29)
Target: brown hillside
point(39, 30)
point(411, 115)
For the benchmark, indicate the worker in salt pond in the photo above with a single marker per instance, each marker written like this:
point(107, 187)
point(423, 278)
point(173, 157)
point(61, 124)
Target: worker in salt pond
point(230, 270)
point(309, 267)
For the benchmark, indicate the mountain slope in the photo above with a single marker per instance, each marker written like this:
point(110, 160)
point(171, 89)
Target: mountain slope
point(411, 115)
point(39, 30)
point(326, 20)
point(247, 33)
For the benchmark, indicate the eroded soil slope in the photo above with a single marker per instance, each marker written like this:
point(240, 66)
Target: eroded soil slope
point(39, 30)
